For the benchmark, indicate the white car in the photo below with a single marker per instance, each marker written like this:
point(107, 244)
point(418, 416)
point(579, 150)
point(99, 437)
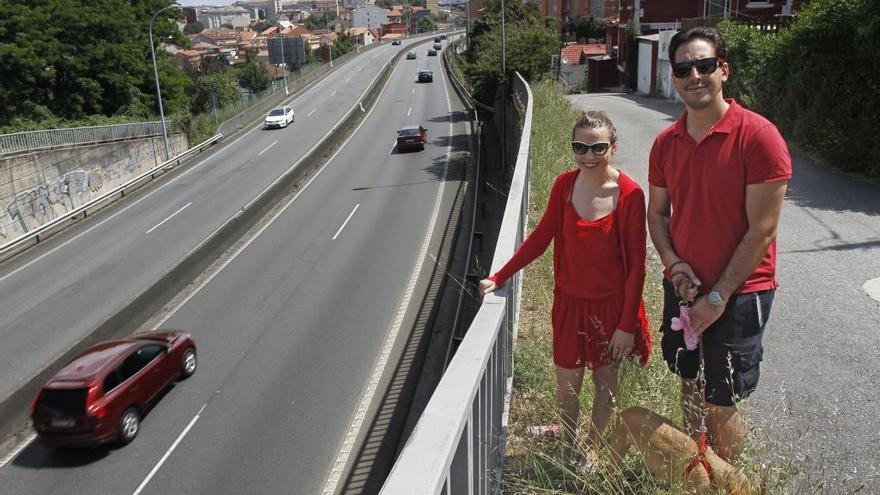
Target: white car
point(279, 117)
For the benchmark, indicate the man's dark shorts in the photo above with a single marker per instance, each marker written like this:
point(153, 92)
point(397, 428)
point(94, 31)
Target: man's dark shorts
point(732, 347)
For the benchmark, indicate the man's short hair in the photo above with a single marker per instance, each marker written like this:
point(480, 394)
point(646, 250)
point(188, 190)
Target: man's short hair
point(709, 34)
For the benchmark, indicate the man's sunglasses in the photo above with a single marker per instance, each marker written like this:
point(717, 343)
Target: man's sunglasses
point(580, 148)
point(704, 66)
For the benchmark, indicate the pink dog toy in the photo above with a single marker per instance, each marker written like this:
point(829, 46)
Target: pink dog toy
point(683, 322)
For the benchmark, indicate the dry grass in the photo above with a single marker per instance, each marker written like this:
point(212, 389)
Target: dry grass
point(534, 465)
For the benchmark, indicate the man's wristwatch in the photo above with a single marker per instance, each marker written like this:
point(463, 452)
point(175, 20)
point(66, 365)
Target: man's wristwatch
point(715, 298)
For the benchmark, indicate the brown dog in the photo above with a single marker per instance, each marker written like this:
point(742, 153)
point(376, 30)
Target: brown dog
point(668, 451)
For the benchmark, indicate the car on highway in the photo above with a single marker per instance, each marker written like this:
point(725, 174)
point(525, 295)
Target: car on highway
point(411, 55)
point(426, 75)
point(432, 53)
point(411, 137)
point(437, 39)
point(101, 395)
point(438, 46)
point(395, 42)
point(442, 37)
point(279, 117)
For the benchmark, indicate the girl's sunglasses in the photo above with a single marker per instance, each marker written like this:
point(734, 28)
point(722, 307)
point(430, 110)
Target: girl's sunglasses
point(580, 148)
point(704, 66)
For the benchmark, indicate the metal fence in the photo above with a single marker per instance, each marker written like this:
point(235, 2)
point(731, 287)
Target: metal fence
point(55, 138)
point(457, 447)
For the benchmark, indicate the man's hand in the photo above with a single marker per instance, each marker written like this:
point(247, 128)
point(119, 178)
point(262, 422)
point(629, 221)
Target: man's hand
point(704, 314)
point(621, 344)
point(684, 280)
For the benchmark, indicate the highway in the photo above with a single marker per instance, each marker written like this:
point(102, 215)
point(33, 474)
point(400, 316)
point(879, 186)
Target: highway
point(290, 327)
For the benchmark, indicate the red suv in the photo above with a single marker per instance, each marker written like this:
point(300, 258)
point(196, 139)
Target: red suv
point(100, 396)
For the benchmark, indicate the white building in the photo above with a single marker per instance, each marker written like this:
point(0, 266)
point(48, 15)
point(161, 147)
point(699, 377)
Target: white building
point(369, 16)
point(213, 18)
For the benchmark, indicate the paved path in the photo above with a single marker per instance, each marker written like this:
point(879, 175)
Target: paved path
point(818, 397)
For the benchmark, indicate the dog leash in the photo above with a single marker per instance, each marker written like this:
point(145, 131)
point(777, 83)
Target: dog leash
point(703, 444)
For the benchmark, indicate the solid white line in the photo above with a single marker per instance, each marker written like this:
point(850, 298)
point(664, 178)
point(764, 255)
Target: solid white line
point(409, 111)
point(392, 149)
point(346, 221)
point(17, 450)
point(168, 453)
point(169, 217)
point(267, 147)
point(310, 113)
point(378, 370)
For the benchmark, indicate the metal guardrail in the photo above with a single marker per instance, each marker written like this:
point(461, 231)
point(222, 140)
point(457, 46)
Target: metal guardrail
point(54, 138)
point(35, 235)
point(457, 447)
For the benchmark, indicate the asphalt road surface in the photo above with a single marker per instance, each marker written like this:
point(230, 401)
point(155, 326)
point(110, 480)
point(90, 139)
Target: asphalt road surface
point(290, 328)
point(817, 402)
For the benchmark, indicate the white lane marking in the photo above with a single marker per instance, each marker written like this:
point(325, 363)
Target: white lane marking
point(310, 113)
point(409, 111)
point(169, 217)
point(17, 450)
point(334, 93)
point(168, 452)
point(872, 287)
point(346, 221)
point(280, 212)
point(378, 370)
point(392, 149)
point(182, 175)
point(413, 91)
point(267, 147)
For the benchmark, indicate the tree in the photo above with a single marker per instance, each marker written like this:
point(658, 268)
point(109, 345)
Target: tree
point(342, 45)
point(75, 58)
point(223, 85)
point(529, 47)
point(254, 77)
point(425, 25)
point(194, 28)
point(264, 25)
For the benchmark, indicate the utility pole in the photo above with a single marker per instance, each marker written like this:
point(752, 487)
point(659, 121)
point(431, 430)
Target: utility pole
point(156, 75)
point(283, 61)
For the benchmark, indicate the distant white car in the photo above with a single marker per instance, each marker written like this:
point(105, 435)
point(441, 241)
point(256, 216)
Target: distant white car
point(279, 117)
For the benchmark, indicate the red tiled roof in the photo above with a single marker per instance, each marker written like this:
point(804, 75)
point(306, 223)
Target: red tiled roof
point(576, 54)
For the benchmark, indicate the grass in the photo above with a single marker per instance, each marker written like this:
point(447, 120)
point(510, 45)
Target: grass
point(534, 465)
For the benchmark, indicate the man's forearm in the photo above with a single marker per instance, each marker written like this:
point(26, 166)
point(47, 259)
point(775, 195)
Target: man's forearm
point(745, 259)
point(658, 226)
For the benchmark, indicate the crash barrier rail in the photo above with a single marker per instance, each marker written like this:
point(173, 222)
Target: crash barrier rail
point(457, 447)
point(21, 142)
point(36, 235)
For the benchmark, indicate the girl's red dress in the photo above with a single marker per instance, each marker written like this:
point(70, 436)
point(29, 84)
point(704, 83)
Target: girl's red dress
point(599, 272)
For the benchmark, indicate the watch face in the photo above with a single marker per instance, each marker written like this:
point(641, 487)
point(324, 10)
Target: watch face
point(715, 298)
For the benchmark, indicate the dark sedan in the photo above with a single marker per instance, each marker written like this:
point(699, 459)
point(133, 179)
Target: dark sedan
point(102, 394)
point(426, 75)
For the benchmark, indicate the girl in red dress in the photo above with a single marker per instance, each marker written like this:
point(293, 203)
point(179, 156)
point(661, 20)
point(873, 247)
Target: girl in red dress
point(596, 218)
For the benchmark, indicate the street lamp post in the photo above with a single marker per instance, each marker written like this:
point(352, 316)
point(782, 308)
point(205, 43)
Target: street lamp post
point(156, 75)
point(283, 62)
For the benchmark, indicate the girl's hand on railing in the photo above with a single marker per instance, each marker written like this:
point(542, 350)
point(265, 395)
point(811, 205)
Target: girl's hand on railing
point(487, 286)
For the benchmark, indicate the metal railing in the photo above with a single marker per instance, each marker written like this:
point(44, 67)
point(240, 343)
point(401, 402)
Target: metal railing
point(36, 235)
point(457, 447)
point(55, 138)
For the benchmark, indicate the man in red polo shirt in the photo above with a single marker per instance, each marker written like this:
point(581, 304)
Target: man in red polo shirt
point(717, 179)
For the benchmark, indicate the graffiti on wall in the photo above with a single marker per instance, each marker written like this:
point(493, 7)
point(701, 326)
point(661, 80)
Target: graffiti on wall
point(44, 202)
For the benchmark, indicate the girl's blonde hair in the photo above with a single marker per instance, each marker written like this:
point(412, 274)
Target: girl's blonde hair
point(593, 119)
